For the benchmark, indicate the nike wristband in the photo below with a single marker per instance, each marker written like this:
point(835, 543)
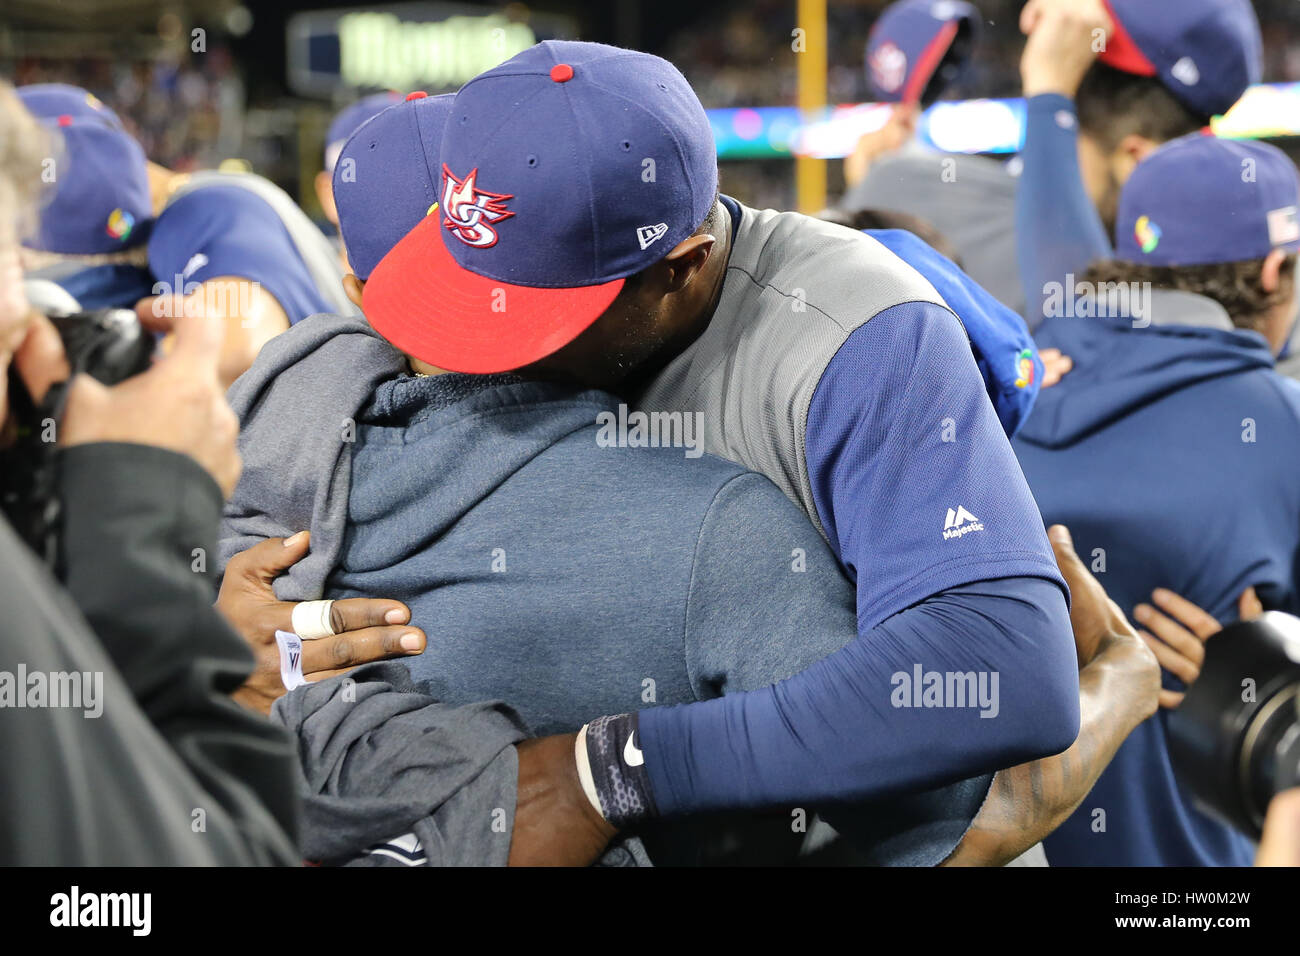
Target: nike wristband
point(618, 771)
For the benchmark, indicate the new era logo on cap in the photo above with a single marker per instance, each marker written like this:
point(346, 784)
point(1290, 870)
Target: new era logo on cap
point(647, 235)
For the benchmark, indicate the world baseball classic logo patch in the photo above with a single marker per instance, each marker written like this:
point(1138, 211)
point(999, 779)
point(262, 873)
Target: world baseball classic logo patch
point(469, 212)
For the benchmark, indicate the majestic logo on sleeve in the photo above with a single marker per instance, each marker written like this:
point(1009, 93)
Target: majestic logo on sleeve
point(470, 212)
point(960, 522)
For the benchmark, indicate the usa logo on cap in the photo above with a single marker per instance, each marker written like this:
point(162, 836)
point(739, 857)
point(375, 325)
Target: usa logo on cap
point(888, 67)
point(470, 212)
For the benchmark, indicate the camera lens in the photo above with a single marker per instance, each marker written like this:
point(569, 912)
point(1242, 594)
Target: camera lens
point(1235, 739)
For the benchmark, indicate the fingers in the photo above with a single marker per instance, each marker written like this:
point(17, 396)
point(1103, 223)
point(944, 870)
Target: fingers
point(1169, 631)
point(1170, 699)
point(1249, 606)
point(198, 344)
point(1029, 16)
point(1071, 566)
point(267, 560)
point(1186, 613)
point(352, 614)
point(342, 652)
point(157, 313)
point(1055, 366)
point(1280, 843)
point(1185, 669)
point(40, 358)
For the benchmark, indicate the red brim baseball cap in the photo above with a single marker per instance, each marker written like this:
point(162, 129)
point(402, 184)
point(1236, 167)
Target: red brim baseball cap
point(421, 300)
point(563, 171)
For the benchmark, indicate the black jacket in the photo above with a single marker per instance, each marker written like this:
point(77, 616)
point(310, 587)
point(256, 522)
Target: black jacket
point(172, 771)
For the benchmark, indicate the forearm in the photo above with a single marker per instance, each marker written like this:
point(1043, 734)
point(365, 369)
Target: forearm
point(1058, 230)
point(251, 315)
point(1029, 801)
point(844, 730)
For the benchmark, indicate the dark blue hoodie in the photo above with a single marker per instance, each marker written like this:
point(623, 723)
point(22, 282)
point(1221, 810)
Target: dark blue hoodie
point(1172, 452)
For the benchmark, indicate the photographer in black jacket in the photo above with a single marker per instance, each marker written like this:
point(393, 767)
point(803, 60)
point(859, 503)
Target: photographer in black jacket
point(119, 742)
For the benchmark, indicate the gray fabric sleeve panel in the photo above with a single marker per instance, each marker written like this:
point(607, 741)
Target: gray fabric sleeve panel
point(391, 777)
point(737, 643)
point(796, 288)
point(376, 757)
point(971, 200)
point(767, 598)
point(314, 247)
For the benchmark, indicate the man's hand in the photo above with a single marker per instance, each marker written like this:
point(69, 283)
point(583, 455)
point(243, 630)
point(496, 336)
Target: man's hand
point(249, 315)
point(368, 630)
point(1119, 682)
point(1055, 366)
point(179, 404)
point(897, 131)
point(555, 823)
point(1065, 37)
point(1094, 617)
point(1279, 845)
point(1179, 638)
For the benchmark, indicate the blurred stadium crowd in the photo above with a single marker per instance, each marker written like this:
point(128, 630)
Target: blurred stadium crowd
point(194, 111)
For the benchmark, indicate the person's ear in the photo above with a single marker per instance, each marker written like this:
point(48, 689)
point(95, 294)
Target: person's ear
point(1279, 317)
point(353, 287)
point(1132, 149)
point(325, 195)
point(686, 260)
point(1270, 276)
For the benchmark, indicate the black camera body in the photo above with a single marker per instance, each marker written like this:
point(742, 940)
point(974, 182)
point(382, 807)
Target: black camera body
point(107, 344)
point(1235, 739)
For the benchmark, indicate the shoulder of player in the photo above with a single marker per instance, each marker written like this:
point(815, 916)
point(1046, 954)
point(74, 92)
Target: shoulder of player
point(816, 265)
point(1287, 389)
point(219, 197)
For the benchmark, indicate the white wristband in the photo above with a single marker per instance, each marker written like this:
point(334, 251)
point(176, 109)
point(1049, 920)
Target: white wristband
point(584, 770)
point(311, 619)
point(290, 659)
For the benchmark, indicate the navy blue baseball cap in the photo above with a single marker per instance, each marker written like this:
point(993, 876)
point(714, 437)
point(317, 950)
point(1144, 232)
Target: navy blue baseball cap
point(388, 176)
point(1205, 52)
point(917, 47)
point(100, 200)
point(564, 170)
point(1199, 199)
point(51, 100)
point(349, 120)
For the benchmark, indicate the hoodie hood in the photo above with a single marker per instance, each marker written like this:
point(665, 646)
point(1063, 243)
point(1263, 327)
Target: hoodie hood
point(317, 389)
point(431, 449)
point(1122, 364)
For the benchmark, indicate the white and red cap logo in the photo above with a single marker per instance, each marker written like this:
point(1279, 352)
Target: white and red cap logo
point(888, 67)
point(469, 212)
